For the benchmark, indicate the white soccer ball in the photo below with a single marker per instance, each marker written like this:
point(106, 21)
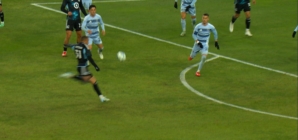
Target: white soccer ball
point(121, 56)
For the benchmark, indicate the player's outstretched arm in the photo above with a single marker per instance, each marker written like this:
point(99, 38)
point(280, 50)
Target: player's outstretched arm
point(93, 63)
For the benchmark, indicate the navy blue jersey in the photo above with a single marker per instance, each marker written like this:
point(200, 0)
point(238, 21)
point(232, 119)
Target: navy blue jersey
point(242, 1)
point(74, 6)
point(82, 54)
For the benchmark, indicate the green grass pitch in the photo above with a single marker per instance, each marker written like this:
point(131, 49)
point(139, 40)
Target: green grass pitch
point(148, 100)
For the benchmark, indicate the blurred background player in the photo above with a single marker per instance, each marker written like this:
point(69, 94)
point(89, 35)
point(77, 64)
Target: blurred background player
point(86, 4)
point(83, 54)
point(73, 20)
point(91, 27)
point(239, 6)
point(295, 30)
point(201, 36)
point(187, 6)
point(1, 15)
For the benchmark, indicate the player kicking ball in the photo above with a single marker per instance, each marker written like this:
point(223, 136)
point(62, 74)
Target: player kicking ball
point(83, 54)
point(91, 27)
point(201, 36)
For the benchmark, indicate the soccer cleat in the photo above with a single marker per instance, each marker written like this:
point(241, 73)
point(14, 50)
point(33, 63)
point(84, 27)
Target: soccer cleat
point(64, 53)
point(198, 74)
point(67, 75)
point(101, 55)
point(231, 27)
point(103, 98)
point(189, 58)
point(247, 32)
point(183, 33)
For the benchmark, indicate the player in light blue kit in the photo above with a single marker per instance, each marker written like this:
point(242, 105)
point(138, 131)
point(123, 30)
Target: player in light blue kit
point(91, 27)
point(295, 30)
point(86, 4)
point(201, 36)
point(187, 6)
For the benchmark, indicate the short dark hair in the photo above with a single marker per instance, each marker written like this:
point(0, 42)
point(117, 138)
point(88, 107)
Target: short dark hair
point(83, 38)
point(206, 14)
point(91, 6)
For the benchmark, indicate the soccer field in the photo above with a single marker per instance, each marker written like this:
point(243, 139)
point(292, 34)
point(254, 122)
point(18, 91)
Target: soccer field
point(247, 91)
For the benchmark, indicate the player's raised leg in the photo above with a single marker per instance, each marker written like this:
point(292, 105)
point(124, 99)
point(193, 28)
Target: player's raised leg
point(195, 50)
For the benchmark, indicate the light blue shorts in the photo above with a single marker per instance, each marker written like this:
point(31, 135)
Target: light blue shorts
point(96, 40)
point(191, 11)
point(196, 49)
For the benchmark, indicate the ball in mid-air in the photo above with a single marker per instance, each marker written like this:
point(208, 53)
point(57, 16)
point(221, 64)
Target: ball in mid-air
point(121, 56)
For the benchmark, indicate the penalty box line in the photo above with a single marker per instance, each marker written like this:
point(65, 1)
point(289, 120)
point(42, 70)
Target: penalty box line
point(178, 45)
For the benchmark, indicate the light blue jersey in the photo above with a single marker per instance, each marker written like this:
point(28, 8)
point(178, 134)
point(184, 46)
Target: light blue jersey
point(92, 23)
point(202, 32)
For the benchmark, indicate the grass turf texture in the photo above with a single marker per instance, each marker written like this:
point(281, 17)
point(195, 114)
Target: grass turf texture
point(148, 100)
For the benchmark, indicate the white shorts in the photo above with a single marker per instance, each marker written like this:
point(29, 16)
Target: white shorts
point(87, 3)
point(191, 10)
point(96, 40)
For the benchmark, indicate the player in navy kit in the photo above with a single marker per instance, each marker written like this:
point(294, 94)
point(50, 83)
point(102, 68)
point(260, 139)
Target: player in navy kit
point(73, 19)
point(83, 55)
point(239, 6)
point(1, 16)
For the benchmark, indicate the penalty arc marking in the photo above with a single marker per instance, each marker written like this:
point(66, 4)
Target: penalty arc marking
point(184, 82)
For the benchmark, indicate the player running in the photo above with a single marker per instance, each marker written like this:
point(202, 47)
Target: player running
point(73, 20)
point(187, 6)
point(83, 54)
point(201, 36)
point(295, 30)
point(91, 27)
point(239, 6)
point(1, 16)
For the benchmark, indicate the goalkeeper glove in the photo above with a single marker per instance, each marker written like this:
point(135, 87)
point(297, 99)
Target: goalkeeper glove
point(216, 45)
point(187, 8)
point(200, 44)
point(2, 24)
point(175, 5)
point(294, 33)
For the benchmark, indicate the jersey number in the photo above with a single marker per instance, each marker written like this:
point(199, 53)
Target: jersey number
point(78, 54)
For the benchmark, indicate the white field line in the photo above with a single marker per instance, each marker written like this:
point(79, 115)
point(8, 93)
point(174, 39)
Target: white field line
point(184, 82)
point(179, 45)
point(103, 1)
point(182, 74)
